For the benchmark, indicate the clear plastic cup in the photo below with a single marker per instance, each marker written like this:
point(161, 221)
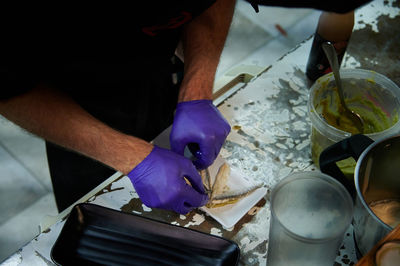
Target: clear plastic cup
point(310, 213)
point(375, 97)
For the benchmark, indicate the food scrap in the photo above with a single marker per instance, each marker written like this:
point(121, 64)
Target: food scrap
point(219, 192)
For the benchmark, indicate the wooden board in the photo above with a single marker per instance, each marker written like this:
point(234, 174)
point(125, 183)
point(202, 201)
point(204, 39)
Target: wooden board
point(369, 258)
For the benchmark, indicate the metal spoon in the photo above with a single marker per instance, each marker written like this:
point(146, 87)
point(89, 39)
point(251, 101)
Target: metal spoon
point(330, 52)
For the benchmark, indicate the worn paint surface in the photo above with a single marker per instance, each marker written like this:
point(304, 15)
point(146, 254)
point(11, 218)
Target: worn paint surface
point(375, 42)
point(269, 140)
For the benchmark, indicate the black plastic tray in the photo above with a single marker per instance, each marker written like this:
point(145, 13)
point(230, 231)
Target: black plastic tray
point(94, 235)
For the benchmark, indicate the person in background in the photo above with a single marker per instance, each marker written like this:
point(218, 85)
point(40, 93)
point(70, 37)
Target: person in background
point(335, 25)
point(332, 27)
point(99, 83)
point(328, 5)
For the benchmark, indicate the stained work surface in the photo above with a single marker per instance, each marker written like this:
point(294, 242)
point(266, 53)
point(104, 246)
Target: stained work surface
point(269, 138)
point(375, 42)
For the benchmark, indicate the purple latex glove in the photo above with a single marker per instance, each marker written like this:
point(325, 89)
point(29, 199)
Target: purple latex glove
point(201, 126)
point(159, 182)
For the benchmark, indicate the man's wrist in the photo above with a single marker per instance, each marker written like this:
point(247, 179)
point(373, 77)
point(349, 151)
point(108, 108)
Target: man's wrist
point(196, 91)
point(132, 153)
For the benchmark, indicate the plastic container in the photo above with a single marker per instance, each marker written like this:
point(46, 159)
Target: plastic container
point(372, 95)
point(310, 213)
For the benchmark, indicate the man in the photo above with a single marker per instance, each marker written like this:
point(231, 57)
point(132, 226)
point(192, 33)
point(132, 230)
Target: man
point(96, 84)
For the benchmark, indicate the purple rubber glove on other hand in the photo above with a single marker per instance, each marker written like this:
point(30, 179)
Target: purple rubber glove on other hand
point(159, 182)
point(201, 126)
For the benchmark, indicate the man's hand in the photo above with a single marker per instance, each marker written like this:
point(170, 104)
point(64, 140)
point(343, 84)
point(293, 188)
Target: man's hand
point(201, 126)
point(159, 182)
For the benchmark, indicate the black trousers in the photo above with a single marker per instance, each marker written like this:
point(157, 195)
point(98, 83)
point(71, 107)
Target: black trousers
point(141, 105)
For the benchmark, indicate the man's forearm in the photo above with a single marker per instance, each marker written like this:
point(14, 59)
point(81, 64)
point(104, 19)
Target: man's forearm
point(203, 41)
point(57, 118)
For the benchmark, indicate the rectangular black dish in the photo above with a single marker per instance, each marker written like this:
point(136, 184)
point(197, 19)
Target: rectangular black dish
point(94, 235)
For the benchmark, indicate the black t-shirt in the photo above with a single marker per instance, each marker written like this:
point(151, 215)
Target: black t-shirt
point(95, 48)
point(114, 60)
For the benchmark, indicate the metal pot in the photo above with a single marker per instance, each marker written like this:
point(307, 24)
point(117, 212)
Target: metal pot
point(376, 184)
